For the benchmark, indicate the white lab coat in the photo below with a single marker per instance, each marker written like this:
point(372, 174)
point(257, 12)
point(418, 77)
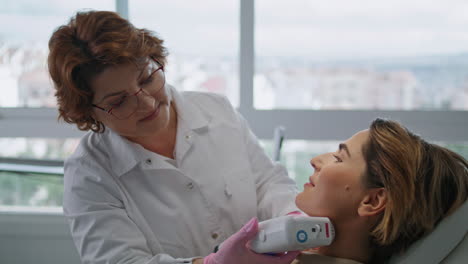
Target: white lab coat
point(126, 204)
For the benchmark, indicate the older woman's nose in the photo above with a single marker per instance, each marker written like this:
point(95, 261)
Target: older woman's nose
point(145, 102)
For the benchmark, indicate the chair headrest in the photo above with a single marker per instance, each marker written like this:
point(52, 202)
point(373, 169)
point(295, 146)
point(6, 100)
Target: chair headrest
point(434, 247)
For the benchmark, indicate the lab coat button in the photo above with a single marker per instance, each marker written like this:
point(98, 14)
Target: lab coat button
point(148, 161)
point(188, 136)
point(214, 236)
point(190, 185)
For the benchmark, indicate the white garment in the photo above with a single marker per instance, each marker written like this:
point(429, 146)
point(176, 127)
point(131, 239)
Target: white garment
point(126, 204)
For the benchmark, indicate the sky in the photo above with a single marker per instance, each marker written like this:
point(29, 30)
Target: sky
point(326, 28)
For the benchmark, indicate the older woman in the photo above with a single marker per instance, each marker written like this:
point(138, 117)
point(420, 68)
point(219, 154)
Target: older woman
point(384, 188)
point(161, 176)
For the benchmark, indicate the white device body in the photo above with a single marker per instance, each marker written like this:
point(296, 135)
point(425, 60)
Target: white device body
point(291, 233)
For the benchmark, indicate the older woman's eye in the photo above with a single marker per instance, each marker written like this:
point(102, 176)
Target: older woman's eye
point(337, 159)
point(118, 102)
point(147, 80)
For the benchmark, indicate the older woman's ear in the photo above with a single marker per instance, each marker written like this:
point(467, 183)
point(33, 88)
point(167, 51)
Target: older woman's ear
point(373, 203)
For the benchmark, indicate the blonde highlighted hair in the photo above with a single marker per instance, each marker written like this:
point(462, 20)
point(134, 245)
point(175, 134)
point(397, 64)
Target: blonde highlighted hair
point(424, 183)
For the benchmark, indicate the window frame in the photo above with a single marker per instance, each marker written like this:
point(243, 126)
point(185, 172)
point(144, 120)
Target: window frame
point(439, 125)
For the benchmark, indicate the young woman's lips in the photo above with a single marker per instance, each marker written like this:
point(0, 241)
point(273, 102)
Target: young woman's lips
point(152, 115)
point(310, 183)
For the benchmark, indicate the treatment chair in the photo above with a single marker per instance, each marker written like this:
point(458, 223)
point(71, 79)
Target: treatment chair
point(447, 244)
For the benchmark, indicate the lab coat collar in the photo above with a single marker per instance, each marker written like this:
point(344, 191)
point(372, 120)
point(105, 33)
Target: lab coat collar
point(188, 113)
point(125, 155)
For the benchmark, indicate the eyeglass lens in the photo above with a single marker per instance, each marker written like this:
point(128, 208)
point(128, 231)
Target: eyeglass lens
point(150, 86)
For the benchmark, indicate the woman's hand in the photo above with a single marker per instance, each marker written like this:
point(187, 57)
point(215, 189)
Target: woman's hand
point(235, 250)
point(296, 213)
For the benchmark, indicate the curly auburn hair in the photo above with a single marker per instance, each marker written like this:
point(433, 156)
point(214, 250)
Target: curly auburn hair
point(80, 50)
point(424, 183)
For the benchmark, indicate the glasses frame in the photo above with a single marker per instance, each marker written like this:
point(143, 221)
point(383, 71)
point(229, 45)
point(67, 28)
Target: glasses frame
point(109, 110)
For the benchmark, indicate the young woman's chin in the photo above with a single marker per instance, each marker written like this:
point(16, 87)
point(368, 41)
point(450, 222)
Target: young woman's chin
point(301, 203)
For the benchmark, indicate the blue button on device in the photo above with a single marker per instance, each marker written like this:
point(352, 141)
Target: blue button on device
point(301, 236)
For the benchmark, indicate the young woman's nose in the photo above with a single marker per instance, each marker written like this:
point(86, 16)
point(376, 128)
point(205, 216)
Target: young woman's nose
point(319, 161)
point(316, 163)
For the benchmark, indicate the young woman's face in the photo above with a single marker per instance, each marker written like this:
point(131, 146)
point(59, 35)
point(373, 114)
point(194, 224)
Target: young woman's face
point(132, 115)
point(336, 187)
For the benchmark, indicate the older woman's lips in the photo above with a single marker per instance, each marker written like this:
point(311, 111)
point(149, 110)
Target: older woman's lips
point(152, 115)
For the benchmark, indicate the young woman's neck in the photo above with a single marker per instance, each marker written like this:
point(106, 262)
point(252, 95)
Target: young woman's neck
point(351, 242)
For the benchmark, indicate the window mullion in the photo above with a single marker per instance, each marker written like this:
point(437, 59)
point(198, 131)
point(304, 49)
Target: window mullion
point(121, 6)
point(246, 56)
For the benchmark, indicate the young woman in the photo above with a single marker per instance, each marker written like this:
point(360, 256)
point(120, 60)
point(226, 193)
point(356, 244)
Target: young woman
point(383, 189)
point(162, 176)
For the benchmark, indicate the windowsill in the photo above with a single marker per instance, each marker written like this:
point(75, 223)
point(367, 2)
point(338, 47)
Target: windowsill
point(28, 210)
point(21, 165)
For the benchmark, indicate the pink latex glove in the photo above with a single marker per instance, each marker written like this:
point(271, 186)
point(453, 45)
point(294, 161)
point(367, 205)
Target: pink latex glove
point(235, 250)
point(295, 213)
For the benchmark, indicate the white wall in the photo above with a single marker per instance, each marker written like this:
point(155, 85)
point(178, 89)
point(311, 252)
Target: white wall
point(35, 238)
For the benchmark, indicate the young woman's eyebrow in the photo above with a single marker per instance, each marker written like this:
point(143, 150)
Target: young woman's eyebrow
point(345, 147)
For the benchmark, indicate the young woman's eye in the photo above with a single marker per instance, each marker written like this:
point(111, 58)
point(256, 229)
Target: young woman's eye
point(337, 159)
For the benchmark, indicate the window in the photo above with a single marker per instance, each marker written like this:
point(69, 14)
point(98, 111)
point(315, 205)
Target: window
point(394, 55)
point(202, 40)
point(31, 171)
point(27, 27)
point(37, 148)
point(25, 190)
point(27, 91)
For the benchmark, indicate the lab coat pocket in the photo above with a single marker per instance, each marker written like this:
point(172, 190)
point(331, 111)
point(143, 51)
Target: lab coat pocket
point(240, 191)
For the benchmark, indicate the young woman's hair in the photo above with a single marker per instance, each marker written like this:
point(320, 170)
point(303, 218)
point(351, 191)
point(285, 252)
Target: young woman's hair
point(86, 46)
point(424, 184)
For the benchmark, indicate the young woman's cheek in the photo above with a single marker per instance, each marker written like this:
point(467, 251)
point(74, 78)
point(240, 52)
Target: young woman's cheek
point(330, 177)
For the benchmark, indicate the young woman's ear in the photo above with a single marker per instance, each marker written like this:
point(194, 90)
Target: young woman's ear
point(373, 203)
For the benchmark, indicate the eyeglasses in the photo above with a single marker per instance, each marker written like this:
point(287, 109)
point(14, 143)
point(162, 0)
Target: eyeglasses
point(126, 105)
